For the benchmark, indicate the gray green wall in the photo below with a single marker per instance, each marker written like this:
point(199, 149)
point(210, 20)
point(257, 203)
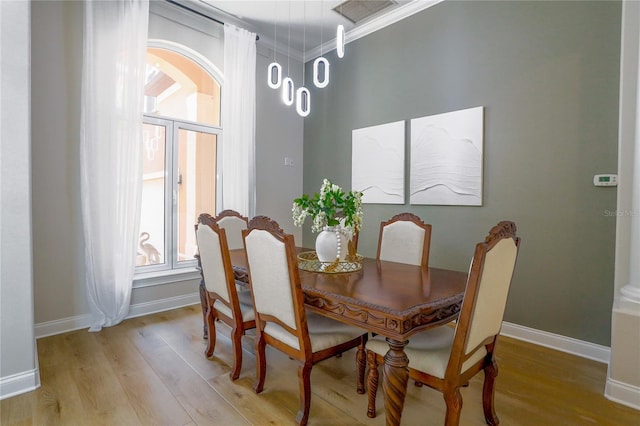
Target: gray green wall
point(547, 75)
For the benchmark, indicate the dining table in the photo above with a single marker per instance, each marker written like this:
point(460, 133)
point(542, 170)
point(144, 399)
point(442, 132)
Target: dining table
point(391, 299)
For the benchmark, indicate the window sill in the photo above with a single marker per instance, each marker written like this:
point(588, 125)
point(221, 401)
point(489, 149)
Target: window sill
point(170, 276)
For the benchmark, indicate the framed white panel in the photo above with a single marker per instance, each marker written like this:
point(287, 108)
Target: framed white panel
point(446, 158)
point(377, 163)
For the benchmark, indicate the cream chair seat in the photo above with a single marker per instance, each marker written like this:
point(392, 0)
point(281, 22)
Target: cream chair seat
point(248, 313)
point(437, 343)
point(323, 332)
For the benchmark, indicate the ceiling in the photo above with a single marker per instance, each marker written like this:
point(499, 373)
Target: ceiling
point(306, 28)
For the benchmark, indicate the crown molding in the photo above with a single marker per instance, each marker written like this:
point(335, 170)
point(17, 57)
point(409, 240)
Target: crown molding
point(266, 42)
point(371, 26)
point(374, 25)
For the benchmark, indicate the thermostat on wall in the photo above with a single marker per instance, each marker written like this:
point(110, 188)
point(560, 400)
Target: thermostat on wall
point(605, 180)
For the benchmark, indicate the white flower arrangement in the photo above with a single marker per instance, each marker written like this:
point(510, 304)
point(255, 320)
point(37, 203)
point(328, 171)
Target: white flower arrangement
point(332, 207)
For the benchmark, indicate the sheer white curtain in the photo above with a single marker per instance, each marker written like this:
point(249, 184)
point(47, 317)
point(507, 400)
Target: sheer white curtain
point(239, 121)
point(115, 39)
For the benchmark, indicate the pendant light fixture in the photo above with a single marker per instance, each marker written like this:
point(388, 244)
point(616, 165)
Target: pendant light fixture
point(340, 41)
point(340, 38)
point(321, 69)
point(274, 70)
point(321, 64)
point(303, 97)
point(274, 75)
point(288, 90)
point(303, 101)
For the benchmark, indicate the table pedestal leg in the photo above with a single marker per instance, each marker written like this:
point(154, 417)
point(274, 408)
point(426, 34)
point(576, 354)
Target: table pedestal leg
point(394, 380)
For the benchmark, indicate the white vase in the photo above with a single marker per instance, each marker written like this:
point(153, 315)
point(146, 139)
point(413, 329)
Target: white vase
point(331, 244)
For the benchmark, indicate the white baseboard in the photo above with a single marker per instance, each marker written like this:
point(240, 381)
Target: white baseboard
point(622, 393)
point(64, 325)
point(162, 305)
point(555, 341)
point(550, 340)
point(19, 383)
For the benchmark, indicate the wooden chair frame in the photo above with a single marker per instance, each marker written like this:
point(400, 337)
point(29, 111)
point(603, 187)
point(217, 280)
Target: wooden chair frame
point(305, 356)
point(229, 212)
point(238, 326)
point(454, 376)
point(409, 217)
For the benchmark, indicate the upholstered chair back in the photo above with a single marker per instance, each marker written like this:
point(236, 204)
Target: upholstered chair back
point(270, 280)
point(233, 223)
point(491, 297)
point(209, 241)
point(405, 239)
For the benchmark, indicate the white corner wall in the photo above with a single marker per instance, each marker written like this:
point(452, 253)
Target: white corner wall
point(18, 369)
point(623, 379)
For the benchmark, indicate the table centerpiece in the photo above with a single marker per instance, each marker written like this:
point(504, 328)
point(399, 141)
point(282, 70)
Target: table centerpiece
point(336, 216)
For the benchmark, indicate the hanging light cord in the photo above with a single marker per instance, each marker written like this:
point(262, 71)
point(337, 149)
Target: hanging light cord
point(321, 26)
point(275, 37)
point(289, 40)
point(304, 36)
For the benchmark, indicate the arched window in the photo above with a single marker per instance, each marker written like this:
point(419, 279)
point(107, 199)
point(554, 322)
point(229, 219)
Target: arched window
point(182, 138)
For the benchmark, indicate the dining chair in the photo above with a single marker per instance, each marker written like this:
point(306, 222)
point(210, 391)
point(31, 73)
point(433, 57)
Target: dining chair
point(446, 358)
point(224, 302)
point(233, 223)
point(404, 238)
point(281, 319)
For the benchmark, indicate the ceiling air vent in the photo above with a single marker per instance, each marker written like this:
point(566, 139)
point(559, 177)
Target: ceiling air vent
point(357, 10)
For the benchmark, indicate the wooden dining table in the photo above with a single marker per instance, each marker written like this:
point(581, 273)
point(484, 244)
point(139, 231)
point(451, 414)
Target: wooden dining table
point(395, 300)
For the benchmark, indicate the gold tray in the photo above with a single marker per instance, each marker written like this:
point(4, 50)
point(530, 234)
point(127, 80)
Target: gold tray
point(308, 261)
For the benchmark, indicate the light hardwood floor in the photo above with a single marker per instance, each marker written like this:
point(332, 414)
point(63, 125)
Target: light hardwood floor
point(152, 371)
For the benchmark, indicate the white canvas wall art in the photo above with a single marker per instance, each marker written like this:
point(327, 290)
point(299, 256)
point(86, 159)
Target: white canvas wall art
point(377, 163)
point(446, 158)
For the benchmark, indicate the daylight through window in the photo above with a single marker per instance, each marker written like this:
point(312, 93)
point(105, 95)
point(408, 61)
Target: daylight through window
point(181, 138)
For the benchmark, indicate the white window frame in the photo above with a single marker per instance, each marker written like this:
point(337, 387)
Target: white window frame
point(173, 126)
point(171, 270)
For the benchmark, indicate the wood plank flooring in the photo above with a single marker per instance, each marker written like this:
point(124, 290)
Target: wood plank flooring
point(152, 371)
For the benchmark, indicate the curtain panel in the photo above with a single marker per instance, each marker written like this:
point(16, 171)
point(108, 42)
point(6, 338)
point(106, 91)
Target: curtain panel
point(239, 121)
point(115, 41)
